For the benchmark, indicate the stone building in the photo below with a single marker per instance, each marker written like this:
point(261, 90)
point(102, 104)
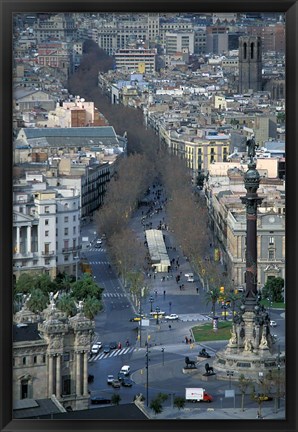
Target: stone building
point(46, 227)
point(250, 64)
point(50, 356)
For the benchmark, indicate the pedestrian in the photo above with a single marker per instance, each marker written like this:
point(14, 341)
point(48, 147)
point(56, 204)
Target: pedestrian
point(155, 293)
point(190, 340)
point(170, 326)
point(180, 287)
point(186, 339)
point(164, 293)
point(197, 289)
point(154, 276)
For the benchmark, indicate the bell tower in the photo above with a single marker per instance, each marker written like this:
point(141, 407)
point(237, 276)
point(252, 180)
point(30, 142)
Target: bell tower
point(250, 63)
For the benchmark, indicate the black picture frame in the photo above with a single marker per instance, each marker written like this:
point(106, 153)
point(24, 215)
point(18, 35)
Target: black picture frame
point(290, 424)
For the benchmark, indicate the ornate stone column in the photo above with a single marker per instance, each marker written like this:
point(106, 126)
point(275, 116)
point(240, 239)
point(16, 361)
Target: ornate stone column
point(78, 374)
point(29, 239)
point(18, 240)
point(85, 392)
point(58, 376)
point(51, 370)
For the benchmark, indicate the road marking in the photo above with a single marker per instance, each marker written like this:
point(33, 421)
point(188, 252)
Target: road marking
point(115, 353)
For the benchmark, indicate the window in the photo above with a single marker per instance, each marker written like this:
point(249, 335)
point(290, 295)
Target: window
point(66, 356)
point(46, 222)
point(35, 359)
point(24, 389)
point(65, 218)
point(47, 262)
point(47, 209)
point(74, 230)
point(271, 240)
point(46, 233)
point(74, 218)
point(271, 253)
point(66, 257)
point(65, 231)
point(24, 360)
point(43, 358)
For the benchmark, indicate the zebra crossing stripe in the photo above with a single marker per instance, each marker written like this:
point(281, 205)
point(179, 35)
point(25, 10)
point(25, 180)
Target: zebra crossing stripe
point(115, 353)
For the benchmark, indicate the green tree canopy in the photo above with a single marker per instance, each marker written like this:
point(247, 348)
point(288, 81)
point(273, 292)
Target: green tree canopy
point(273, 289)
point(38, 300)
point(86, 287)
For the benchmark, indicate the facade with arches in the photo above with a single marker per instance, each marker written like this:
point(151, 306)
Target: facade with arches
point(50, 356)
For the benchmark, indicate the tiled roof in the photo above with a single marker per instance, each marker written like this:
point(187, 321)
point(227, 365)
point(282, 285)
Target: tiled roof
point(101, 131)
point(25, 332)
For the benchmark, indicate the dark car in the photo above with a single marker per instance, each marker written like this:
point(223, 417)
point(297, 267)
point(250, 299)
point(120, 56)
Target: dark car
point(116, 383)
point(106, 349)
point(99, 400)
point(127, 382)
point(121, 376)
point(113, 345)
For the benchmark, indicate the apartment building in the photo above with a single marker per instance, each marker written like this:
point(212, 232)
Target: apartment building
point(46, 227)
point(227, 219)
point(136, 60)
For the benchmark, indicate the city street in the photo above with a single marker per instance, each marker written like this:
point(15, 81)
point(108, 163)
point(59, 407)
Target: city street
point(165, 366)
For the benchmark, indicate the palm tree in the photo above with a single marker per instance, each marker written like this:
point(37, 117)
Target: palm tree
point(38, 301)
point(66, 304)
point(212, 296)
point(91, 307)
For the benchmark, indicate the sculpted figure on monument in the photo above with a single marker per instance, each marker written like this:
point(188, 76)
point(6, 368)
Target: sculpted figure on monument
point(251, 147)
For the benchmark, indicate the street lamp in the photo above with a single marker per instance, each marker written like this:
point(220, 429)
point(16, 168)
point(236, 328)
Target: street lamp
point(147, 370)
point(76, 258)
point(151, 299)
point(278, 378)
point(230, 374)
point(163, 356)
point(170, 307)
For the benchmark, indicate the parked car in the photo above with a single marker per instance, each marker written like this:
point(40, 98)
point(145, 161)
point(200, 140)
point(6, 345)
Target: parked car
point(106, 349)
point(96, 347)
point(187, 275)
point(172, 317)
point(125, 370)
point(99, 242)
point(113, 345)
point(116, 383)
point(127, 382)
point(110, 379)
point(273, 323)
point(121, 376)
point(99, 400)
point(190, 279)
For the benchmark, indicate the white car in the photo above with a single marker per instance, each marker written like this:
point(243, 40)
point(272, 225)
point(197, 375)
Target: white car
point(190, 279)
point(188, 275)
point(273, 323)
point(96, 347)
point(110, 379)
point(172, 317)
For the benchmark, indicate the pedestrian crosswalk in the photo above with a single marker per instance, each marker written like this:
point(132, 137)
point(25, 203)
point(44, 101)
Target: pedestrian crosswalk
point(114, 353)
point(93, 249)
point(99, 262)
point(114, 295)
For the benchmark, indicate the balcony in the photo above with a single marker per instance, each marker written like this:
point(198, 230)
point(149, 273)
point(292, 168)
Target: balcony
point(71, 249)
point(47, 253)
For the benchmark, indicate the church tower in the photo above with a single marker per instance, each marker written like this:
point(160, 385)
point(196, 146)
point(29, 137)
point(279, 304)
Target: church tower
point(250, 63)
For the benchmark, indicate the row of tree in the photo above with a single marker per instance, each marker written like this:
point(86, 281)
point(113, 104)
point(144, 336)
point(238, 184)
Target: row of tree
point(67, 291)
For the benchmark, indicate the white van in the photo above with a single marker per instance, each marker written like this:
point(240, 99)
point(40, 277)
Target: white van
point(125, 370)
